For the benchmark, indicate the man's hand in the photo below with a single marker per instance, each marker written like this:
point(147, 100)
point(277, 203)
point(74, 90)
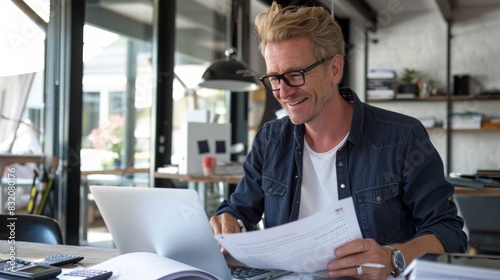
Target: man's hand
point(354, 254)
point(358, 252)
point(224, 223)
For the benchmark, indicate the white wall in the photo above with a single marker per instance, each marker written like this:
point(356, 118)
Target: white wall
point(357, 57)
point(476, 44)
point(418, 40)
point(412, 40)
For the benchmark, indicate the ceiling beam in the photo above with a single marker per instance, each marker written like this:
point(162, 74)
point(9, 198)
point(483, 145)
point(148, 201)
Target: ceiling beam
point(365, 10)
point(148, 2)
point(118, 23)
point(358, 7)
point(446, 9)
point(359, 10)
point(26, 9)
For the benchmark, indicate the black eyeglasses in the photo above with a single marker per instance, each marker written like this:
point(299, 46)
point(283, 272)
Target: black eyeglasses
point(293, 78)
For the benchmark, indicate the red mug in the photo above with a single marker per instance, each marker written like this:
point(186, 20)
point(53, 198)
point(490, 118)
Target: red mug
point(209, 164)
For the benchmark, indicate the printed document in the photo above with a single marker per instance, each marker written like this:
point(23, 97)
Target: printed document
point(302, 246)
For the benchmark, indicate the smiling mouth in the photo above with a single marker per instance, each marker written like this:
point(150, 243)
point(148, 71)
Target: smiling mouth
point(296, 102)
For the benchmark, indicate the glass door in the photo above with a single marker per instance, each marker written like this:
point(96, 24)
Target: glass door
point(116, 103)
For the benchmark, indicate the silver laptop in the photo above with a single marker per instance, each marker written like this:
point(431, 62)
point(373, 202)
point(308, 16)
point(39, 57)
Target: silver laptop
point(169, 222)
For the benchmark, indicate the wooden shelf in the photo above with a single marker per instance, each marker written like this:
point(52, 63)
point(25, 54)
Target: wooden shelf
point(437, 98)
point(439, 129)
point(200, 178)
point(485, 129)
point(417, 99)
point(434, 129)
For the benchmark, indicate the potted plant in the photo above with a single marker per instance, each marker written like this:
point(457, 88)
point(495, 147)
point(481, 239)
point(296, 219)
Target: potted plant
point(108, 136)
point(409, 82)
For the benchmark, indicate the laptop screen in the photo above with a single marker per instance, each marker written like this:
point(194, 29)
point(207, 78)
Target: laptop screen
point(169, 222)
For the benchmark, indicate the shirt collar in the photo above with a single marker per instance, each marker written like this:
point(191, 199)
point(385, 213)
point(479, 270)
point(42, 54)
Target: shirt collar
point(357, 122)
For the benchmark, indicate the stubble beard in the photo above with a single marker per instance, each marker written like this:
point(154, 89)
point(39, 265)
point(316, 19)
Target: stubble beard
point(317, 109)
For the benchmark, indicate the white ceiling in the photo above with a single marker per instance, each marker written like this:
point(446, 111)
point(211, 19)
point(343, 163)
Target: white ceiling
point(477, 3)
point(430, 5)
point(142, 11)
point(346, 8)
point(407, 5)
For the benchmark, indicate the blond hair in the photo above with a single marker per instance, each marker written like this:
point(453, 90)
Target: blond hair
point(283, 23)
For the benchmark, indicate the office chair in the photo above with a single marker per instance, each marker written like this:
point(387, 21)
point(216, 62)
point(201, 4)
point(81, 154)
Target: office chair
point(31, 228)
point(480, 214)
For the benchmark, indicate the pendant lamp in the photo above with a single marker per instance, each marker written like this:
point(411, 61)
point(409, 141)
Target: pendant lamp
point(229, 74)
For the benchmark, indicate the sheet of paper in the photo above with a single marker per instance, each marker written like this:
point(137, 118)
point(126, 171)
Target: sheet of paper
point(144, 265)
point(302, 246)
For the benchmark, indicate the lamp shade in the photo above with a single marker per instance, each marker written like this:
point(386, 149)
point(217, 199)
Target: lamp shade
point(230, 75)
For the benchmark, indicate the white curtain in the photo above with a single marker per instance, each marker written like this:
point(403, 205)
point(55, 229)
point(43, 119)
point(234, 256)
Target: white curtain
point(14, 92)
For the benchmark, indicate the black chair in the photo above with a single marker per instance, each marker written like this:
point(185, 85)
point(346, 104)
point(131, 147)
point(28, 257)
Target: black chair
point(481, 218)
point(31, 228)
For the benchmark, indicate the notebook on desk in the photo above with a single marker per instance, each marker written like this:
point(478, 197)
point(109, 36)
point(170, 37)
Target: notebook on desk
point(169, 222)
point(453, 266)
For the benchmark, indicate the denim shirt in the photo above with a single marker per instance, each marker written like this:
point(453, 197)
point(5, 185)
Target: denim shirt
point(388, 165)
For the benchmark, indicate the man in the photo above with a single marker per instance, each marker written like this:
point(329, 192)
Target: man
point(333, 146)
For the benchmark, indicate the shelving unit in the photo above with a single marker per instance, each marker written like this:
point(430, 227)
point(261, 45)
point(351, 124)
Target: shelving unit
point(441, 98)
point(477, 130)
point(438, 98)
point(455, 153)
point(447, 137)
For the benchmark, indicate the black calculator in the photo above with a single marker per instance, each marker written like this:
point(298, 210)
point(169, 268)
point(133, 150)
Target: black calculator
point(86, 274)
point(59, 260)
point(20, 269)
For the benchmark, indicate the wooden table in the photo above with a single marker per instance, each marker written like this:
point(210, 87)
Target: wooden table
point(115, 171)
point(92, 256)
point(32, 251)
point(200, 178)
point(8, 159)
point(490, 191)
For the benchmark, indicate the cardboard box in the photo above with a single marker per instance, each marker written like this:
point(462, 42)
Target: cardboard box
point(203, 139)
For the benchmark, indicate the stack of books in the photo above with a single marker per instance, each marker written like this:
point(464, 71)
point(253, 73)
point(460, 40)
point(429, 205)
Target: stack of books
point(380, 84)
point(465, 120)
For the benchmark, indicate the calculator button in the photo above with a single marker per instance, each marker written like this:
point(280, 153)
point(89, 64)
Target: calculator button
point(88, 274)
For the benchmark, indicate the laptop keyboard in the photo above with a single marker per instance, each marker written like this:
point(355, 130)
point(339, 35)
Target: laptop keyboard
point(241, 272)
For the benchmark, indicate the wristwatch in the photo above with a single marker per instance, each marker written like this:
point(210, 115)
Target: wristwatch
point(398, 262)
point(242, 226)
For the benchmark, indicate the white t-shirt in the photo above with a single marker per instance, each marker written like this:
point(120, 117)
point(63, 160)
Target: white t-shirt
point(319, 180)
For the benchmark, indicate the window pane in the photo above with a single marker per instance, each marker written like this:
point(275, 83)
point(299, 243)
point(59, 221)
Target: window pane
point(116, 99)
point(200, 40)
point(22, 56)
